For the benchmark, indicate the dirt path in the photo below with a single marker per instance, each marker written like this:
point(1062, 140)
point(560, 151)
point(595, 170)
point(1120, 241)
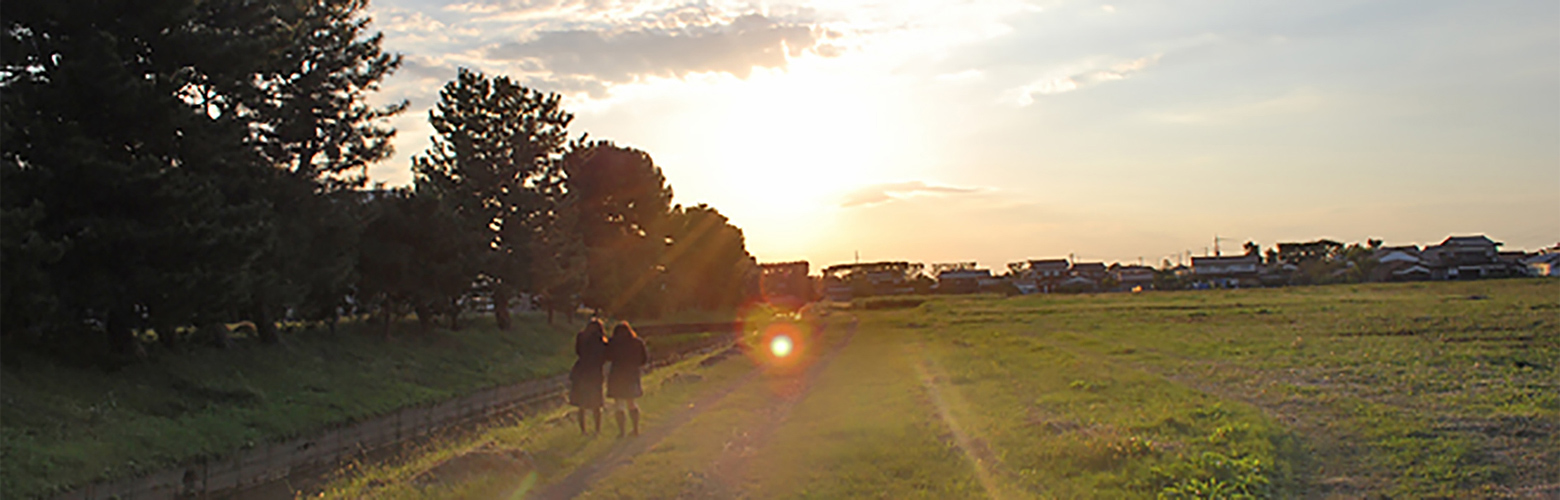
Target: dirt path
point(724, 472)
point(578, 481)
point(725, 476)
point(987, 465)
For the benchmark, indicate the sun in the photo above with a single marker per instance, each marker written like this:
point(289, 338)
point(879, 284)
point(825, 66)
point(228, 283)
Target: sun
point(793, 143)
point(780, 346)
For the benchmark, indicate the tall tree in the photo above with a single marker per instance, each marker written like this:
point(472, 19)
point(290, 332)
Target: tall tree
point(117, 156)
point(311, 120)
point(560, 263)
point(623, 202)
point(413, 257)
point(707, 264)
point(495, 161)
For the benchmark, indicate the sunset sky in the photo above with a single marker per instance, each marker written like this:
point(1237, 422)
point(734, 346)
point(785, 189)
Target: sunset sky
point(936, 131)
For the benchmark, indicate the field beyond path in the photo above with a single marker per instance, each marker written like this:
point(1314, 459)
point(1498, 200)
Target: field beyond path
point(1434, 390)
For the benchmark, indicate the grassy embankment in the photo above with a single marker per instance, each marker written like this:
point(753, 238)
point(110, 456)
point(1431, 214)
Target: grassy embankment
point(1432, 390)
point(63, 426)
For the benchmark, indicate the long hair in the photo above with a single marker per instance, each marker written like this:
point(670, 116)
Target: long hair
point(595, 326)
point(623, 330)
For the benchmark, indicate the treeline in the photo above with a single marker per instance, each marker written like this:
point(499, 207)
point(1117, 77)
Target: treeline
point(171, 166)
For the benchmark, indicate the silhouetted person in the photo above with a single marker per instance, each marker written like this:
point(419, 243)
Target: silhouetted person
point(628, 355)
point(585, 379)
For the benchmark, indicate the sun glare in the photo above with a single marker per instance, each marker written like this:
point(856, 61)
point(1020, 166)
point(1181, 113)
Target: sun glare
point(794, 143)
point(780, 346)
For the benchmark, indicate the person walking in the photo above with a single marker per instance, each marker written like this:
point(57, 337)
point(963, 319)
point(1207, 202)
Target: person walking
point(585, 378)
point(626, 351)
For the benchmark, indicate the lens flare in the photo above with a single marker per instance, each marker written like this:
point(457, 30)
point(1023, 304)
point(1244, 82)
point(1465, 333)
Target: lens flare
point(780, 346)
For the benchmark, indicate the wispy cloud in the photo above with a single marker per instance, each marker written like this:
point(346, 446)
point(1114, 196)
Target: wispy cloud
point(883, 193)
point(613, 56)
point(1090, 75)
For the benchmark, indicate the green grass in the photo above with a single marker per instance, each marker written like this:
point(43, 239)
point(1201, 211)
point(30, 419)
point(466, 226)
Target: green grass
point(61, 427)
point(550, 440)
point(867, 430)
point(1434, 390)
point(1425, 390)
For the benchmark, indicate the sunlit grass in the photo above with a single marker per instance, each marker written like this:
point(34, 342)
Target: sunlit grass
point(550, 443)
point(1437, 390)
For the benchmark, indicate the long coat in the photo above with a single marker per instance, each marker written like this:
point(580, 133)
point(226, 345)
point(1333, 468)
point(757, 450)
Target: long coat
point(585, 378)
point(628, 356)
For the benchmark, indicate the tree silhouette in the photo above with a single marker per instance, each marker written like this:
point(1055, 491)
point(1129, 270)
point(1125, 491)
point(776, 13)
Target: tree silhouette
point(495, 163)
point(124, 176)
point(707, 264)
point(623, 202)
point(309, 118)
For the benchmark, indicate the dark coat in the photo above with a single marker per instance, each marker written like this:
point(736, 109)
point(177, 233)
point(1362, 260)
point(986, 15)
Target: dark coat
point(628, 357)
point(585, 378)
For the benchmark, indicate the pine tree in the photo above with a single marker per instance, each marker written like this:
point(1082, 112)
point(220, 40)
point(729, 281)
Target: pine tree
point(119, 156)
point(311, 121)
point(494, 162)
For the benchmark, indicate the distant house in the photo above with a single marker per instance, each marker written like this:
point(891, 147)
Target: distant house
point(1049, 269)
point(1229, 272)
point(1400, 263)
point(1468, 257)
point(1404, 254)
point(962, 280)
point(1084, 277)
point(1130, 277)
point(843, 282)
point(786, 283)
point(1092, 270)
point(1543, 264)
point(1043, 275)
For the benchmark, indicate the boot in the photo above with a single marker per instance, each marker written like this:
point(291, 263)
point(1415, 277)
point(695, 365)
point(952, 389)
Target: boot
point(633, 413)
point(619, 415)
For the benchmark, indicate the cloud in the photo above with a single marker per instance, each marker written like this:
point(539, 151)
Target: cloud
point(1076, 79)
point(883, 193)
point(672, 45)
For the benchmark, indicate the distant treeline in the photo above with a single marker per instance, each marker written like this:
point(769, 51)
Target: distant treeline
point(171, 166)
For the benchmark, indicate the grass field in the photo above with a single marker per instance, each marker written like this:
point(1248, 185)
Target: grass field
point(64, 426)
point(1427, 390)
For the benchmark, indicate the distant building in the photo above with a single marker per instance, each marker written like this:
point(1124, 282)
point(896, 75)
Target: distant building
point(962, 280)
point(1092, 270)
point(786, 283)
point(1544, 263)
point(1043, 275)
point(1133, 276)
point(1084, 277)
point(1468, 257)
point(846, 281)
point(1400, 263)
point(1230, 272)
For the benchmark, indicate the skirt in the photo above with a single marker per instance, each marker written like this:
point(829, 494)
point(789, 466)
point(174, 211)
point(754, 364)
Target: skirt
point(585, 390)
point(624, 384)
